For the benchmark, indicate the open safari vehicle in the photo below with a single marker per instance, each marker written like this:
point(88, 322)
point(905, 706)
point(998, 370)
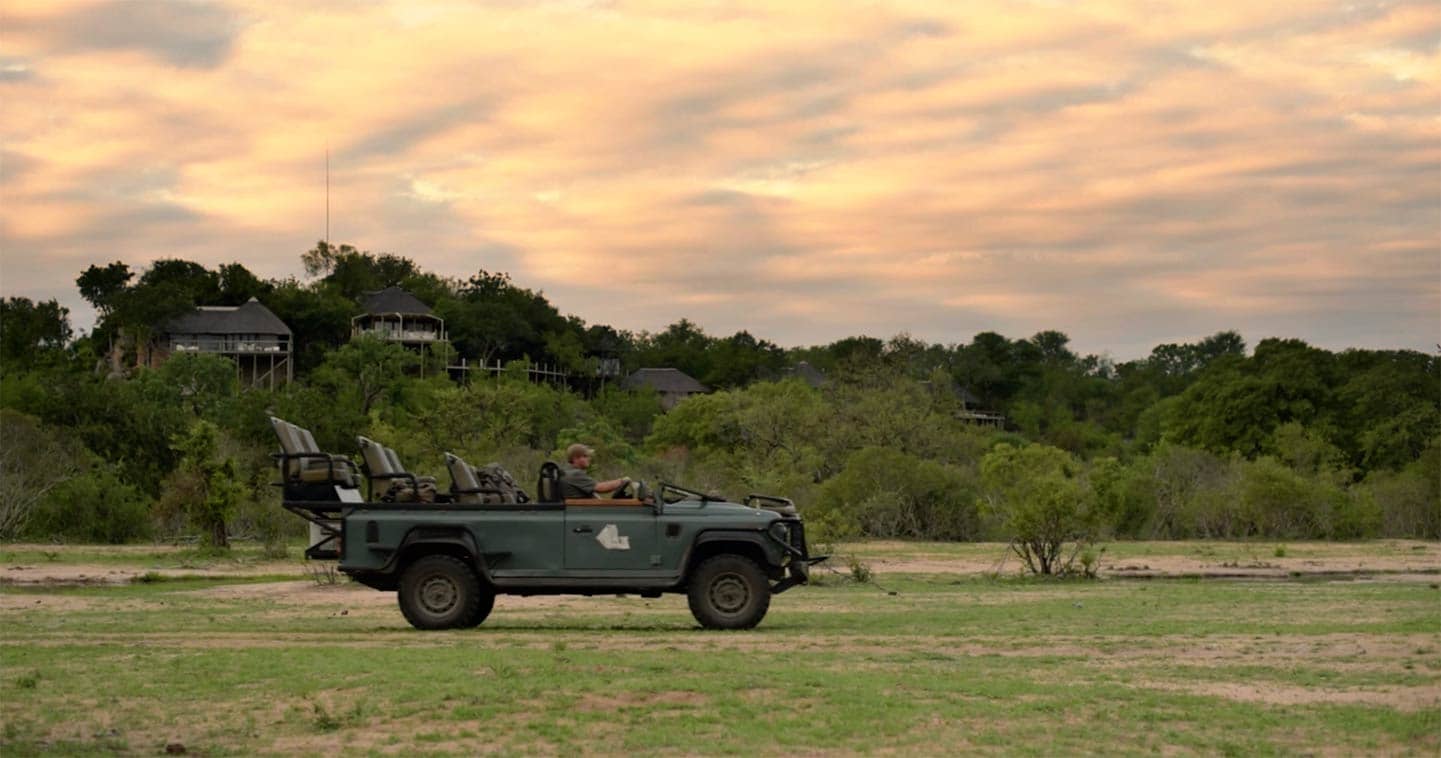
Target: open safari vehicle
point(448, 553)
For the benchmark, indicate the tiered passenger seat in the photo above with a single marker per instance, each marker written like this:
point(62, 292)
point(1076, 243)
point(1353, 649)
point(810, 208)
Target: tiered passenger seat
point(302, 463)
point(491, 485)
point(317, 486)
point(382, 466)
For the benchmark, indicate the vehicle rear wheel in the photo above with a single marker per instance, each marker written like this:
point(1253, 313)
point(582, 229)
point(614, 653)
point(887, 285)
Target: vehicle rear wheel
point(482, 608)
point(729, 592)
point(440, 592)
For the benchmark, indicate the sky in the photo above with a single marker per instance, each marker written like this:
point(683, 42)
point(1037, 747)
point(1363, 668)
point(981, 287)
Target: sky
point(1129, 173)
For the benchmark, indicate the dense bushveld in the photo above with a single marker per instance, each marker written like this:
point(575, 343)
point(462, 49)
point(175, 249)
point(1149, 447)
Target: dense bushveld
point(254, 658)
point(1196, 440)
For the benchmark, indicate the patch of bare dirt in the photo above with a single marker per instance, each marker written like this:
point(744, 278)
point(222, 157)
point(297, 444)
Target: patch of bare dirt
point(1401, 698)
point(19, 602)
point(296, 592)
point(82, 573)
point(1396, 560)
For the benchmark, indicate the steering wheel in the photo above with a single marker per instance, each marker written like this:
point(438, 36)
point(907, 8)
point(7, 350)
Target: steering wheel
point(631, 490)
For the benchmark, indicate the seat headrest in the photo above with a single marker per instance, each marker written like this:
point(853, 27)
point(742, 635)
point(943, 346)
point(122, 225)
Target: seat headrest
point(547, 488)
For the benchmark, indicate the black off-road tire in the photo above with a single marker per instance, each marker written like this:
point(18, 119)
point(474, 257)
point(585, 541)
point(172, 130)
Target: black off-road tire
point(482, 608)
point(440, 592)
point(729, 592)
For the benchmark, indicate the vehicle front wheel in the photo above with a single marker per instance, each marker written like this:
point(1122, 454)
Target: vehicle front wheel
point(729, 592)
point(441, 592)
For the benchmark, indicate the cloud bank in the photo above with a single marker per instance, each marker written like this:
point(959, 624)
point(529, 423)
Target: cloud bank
point(1129, 173)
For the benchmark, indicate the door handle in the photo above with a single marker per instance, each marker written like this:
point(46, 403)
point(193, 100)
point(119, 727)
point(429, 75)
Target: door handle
point(582, 530)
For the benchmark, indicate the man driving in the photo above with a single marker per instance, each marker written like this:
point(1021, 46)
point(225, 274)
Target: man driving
point(576, 483)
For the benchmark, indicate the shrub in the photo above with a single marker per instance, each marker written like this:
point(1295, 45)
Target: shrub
point(1409, 501)
point(34, 460)
point(1279, 502)
point(1121, 495)
point(1187, 492)
point(95, 506)
point(887, 493)
point(1043, 502)
point(633, 412)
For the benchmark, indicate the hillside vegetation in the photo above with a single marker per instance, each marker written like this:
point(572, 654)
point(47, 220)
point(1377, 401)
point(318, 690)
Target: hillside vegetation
point(1199, 440)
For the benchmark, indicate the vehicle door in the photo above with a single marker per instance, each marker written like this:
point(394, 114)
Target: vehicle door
point(601, 537)
point(521, 541)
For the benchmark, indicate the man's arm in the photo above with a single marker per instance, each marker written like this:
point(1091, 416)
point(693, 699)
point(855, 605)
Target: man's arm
point(612, 485)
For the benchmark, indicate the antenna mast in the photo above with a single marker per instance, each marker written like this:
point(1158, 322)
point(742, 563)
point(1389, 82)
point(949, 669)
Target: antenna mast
point(327, 197)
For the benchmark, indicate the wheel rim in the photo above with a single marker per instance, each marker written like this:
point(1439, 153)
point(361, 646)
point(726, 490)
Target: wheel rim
point(729, 593)
point(438, 595)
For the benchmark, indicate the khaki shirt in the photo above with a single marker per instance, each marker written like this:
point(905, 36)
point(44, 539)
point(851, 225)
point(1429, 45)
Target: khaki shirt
point(575, 482)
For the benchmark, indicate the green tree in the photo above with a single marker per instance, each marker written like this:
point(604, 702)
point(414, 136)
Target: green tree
point(764, 437)
point(129, 423)
point(352, 272)
point(102, 287)
point(206, 486)
point(883, 408)
point(29, 330)
point(366, 369)
point(741, 359)
point(1180, 492)
point(682, 345)
point(492, 319)
point(1391, 405)
point(1226, 409)
point(1309, 453)
point(319, 320)
point(203, 381)
point(237, 285)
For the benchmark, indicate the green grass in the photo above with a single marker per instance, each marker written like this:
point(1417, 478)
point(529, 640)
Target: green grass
point(1208, 551)
point(946, 664)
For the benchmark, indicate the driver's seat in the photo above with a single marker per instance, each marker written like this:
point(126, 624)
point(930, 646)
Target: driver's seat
point(547, 488)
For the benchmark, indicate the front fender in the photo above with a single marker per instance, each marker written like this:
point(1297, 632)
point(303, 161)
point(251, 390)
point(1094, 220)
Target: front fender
point(744, 541)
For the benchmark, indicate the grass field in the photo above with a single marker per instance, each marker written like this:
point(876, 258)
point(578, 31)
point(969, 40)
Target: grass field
point(247, 655)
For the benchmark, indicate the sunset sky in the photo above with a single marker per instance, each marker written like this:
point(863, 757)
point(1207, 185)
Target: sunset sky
point(1129, 173)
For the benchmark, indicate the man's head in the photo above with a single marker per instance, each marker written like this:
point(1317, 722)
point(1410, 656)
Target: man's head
point(579, 455)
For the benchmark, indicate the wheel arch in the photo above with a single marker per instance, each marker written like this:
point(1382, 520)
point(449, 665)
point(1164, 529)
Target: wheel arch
point(453, 540)
point(752, 545)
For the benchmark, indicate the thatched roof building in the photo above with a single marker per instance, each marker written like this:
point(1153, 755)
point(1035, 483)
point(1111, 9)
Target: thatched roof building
point(673, 385)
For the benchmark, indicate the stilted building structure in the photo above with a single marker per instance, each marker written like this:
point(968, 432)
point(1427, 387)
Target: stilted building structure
point(395, 315)
point(251, 335)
